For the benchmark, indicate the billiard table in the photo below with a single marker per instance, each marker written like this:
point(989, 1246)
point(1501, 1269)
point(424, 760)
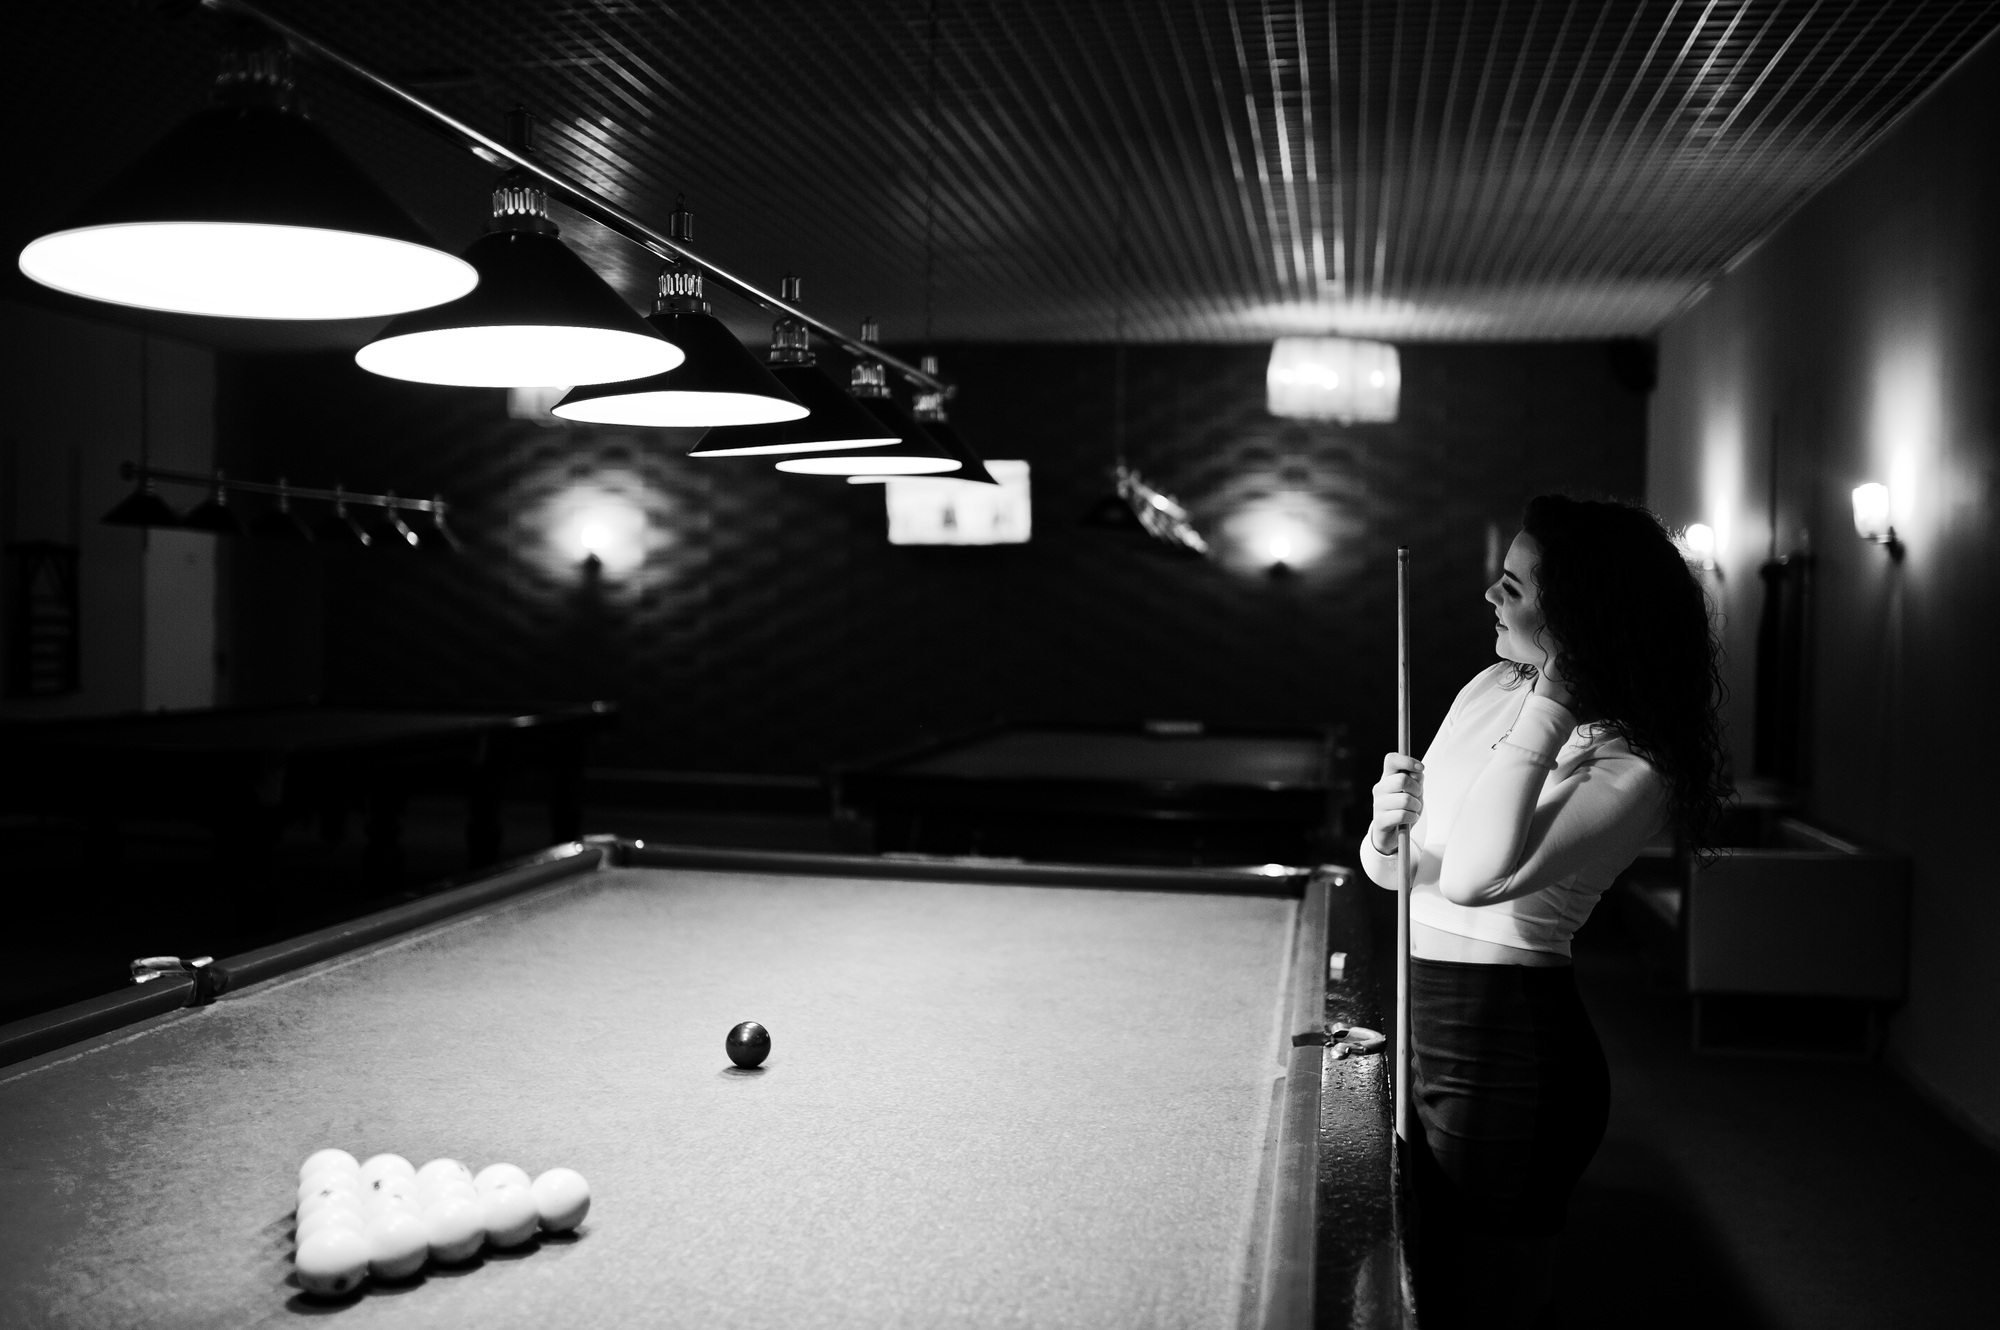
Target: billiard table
point(1157, 791)
point(999, 1093)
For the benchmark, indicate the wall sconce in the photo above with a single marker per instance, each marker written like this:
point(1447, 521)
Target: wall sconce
point(1699, 542)
point(1871, 517)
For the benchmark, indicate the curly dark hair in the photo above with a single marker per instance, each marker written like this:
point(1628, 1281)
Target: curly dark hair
point(1634, 642)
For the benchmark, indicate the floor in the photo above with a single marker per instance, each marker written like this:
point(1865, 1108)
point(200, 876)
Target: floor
point(1766, 1193)
point(1753, 1192)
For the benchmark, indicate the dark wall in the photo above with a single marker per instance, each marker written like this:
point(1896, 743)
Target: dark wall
point(1857, 345)
point(772, 627)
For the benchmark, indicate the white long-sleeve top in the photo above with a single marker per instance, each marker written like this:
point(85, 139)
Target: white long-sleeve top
point(1527, 818)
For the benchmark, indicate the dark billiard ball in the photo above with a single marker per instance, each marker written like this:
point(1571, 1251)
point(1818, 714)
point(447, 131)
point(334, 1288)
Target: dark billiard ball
point(748, 1044)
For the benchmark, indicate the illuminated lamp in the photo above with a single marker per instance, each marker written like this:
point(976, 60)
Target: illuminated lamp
point(1699, 542)
point(247, 211)
point(930, 414)
point(538, 317)
point(834, 420)
point(719, 383)
point(1333, 378)
point(1871, 514)
point(915, 453)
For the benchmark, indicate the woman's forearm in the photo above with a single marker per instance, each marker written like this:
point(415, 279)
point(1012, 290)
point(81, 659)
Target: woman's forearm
point(1489, 838)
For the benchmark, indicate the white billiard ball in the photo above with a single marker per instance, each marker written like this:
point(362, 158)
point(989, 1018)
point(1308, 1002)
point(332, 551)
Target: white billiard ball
point(510, 1216)
point(346, 1202)
point(330, 1217)
point(396, 1194)
point(380, 1167)
point(440, 1170)
point(320, 1160)
point(333, 1262)
point(328, 1184)
point(562, 1199)
point(494, 1174)
point(328, 1178)
point(399, 1242)
point(457, 1226)
point(452, 1190)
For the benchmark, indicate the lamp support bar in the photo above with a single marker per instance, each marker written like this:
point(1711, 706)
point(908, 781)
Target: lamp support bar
point(175, 476)
point(584, 200)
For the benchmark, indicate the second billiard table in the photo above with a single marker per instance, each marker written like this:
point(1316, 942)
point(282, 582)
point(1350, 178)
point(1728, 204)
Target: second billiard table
point(999, 1094)
point(1157, 791)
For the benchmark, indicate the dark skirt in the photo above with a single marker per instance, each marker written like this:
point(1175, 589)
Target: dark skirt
point(1512, 1094)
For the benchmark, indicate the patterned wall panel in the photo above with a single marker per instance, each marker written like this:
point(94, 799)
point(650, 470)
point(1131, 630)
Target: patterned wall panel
point(770, 625)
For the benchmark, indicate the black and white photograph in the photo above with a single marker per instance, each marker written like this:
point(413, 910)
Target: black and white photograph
point(1035, 664)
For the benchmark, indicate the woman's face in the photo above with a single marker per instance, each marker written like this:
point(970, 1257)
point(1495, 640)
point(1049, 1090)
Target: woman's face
point(1518, 632)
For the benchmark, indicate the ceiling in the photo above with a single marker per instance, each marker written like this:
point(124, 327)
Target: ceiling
point(1057, 170)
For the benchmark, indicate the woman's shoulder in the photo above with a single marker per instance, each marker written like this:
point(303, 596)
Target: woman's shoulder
point(1610, 753)
point(1501, 675)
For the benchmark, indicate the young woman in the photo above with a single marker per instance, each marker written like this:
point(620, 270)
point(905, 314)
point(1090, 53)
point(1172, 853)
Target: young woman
point(1596, 730)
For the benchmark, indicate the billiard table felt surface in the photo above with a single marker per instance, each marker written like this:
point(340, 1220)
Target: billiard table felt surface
point(985, 1105)
point(1071, 755)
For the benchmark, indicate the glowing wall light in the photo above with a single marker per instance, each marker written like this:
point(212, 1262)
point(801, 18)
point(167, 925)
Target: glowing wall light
point(1288, 532)
point(1333, 378)
point(1872, 515)
point(1698, 545)
point(600, 523)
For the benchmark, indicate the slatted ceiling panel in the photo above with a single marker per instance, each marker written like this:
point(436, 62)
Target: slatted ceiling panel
point(1444, 169)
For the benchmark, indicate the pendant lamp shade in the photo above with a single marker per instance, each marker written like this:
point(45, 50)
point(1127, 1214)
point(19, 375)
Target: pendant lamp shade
point(835, 421)
point(720, 383)
point(142, 507)
point(248, 212)
point(538, 318)
point(970, 469)
point(213, 514)
point(915, 452)
point(281, 523)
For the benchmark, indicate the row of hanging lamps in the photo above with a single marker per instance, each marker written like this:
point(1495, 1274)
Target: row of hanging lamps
point(720, 383)
point(834, 421)
point(247, 210)
point(539, 316)
point(914, 453)
point(343, 526)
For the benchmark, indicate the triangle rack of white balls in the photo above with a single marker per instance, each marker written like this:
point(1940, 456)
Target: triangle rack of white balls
point(387, 1218)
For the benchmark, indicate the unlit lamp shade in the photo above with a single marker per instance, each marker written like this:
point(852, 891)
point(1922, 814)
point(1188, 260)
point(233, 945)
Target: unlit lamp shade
point(247, 212)
point(1333, 378)
point(538, 317)
point(720, 383)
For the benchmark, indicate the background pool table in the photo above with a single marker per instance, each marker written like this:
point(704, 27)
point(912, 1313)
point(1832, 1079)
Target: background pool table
point(999, 1094)
point(1160, 791)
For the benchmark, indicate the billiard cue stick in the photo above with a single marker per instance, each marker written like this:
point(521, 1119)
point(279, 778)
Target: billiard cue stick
point(1406, 871)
